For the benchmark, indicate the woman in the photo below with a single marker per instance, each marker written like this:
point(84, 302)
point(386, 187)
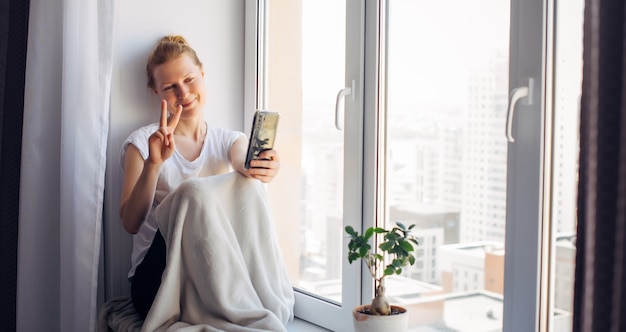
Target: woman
point(158, 158)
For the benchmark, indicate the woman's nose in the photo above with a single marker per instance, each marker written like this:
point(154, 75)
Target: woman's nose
point(183, 91)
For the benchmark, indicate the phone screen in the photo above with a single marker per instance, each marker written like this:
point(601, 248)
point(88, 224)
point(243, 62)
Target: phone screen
point(262, 135)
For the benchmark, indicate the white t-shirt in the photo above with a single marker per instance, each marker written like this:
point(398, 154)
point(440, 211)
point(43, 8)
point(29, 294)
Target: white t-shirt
point(214, 159)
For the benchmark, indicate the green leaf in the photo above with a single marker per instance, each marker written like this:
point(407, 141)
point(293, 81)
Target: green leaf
point(411, 227)
point(392, 236)
point(411, 259)
point(397, 263)
point(363, 251)
point(398, 271)
point(406, 246)
point(368, 233)
point(350, 231)
point(386, 246)
point(389, 270)
point(401, 225)
point(352, 257)
point(379, 230)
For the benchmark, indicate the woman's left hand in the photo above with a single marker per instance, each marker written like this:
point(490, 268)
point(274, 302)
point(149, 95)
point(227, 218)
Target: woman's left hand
point(265, 168)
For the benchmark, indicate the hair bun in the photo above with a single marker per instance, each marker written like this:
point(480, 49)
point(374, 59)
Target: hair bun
point(178, 39)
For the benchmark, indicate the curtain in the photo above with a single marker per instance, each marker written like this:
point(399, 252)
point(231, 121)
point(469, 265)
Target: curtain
point(600, 284)
point(66, 124)
point(13, 31)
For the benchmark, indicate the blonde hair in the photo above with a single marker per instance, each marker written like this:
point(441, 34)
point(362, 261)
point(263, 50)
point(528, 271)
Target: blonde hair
point(168, 48)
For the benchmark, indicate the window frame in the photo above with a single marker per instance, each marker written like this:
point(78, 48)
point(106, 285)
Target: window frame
point(309, 307)
point(528, 165)
point(527, 244)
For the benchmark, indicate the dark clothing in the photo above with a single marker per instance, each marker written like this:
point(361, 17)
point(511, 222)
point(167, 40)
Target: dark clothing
point(147, 279)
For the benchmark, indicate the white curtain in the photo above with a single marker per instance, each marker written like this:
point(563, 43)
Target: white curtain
point(66, 123)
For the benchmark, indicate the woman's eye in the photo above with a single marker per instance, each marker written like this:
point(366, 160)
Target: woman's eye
point(190, 79)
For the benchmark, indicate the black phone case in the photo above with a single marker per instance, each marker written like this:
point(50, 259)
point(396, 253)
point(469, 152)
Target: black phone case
point(262, 135)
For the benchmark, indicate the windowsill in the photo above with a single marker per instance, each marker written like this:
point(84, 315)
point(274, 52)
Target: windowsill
point(299, 325)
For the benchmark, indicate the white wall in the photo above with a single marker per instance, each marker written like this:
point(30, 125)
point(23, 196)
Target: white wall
point(215, 28)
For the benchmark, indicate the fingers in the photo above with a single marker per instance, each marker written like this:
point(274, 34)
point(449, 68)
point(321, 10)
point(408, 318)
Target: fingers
point(167, 140)
point(171, 141)
point(270, 155)
point(267, 164)
point(175, 118)
point(159, 135)
point(168, 128)
point(163, 122)
point(267, 159)
point(265, 170)
point(262, 174)
point(161, 142)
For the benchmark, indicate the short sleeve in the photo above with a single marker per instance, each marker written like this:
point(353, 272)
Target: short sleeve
point(229, 138)
point(139, 139)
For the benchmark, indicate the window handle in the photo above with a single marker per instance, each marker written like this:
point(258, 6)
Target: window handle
point(515, 95)
point(342, 93)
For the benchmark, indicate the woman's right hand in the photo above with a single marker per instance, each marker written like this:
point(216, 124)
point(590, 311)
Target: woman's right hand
point(140, 176)
point(161, 142)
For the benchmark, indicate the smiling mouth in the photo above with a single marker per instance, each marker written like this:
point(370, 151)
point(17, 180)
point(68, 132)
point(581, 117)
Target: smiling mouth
point(187, 104)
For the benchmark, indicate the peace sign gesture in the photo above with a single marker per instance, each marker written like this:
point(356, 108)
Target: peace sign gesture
point(161, 142)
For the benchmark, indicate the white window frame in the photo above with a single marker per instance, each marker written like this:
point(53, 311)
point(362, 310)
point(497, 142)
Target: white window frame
point(527, 230)
point(333, 316)
point(338, 317)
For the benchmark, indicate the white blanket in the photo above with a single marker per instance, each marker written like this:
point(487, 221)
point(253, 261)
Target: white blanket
point(119, 315)
point(224, 270)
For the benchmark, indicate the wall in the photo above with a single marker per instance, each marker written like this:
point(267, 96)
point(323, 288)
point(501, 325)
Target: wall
point(215, 28)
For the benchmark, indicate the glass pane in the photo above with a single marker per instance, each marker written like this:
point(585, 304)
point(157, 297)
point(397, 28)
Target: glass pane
point(447, 89)
point(568, 83)
point(321, 235)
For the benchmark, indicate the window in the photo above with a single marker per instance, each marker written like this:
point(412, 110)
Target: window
point(417, 134)
point(447, 74)
point(305, 66)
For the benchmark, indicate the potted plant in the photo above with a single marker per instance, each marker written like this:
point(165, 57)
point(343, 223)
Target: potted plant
point(398, 245)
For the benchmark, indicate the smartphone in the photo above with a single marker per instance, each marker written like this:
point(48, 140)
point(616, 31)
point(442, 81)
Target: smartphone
point(262, 135)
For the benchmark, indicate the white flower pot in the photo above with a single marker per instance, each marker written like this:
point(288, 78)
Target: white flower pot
point(372, 323)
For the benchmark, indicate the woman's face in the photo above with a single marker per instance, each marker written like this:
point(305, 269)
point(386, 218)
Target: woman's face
point(181, 82)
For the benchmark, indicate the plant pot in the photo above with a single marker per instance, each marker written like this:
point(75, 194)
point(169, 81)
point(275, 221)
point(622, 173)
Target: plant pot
point(371, 323)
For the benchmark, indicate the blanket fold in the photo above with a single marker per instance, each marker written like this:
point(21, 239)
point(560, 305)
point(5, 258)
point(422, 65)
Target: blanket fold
point(224, 270)
point(119, 315)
